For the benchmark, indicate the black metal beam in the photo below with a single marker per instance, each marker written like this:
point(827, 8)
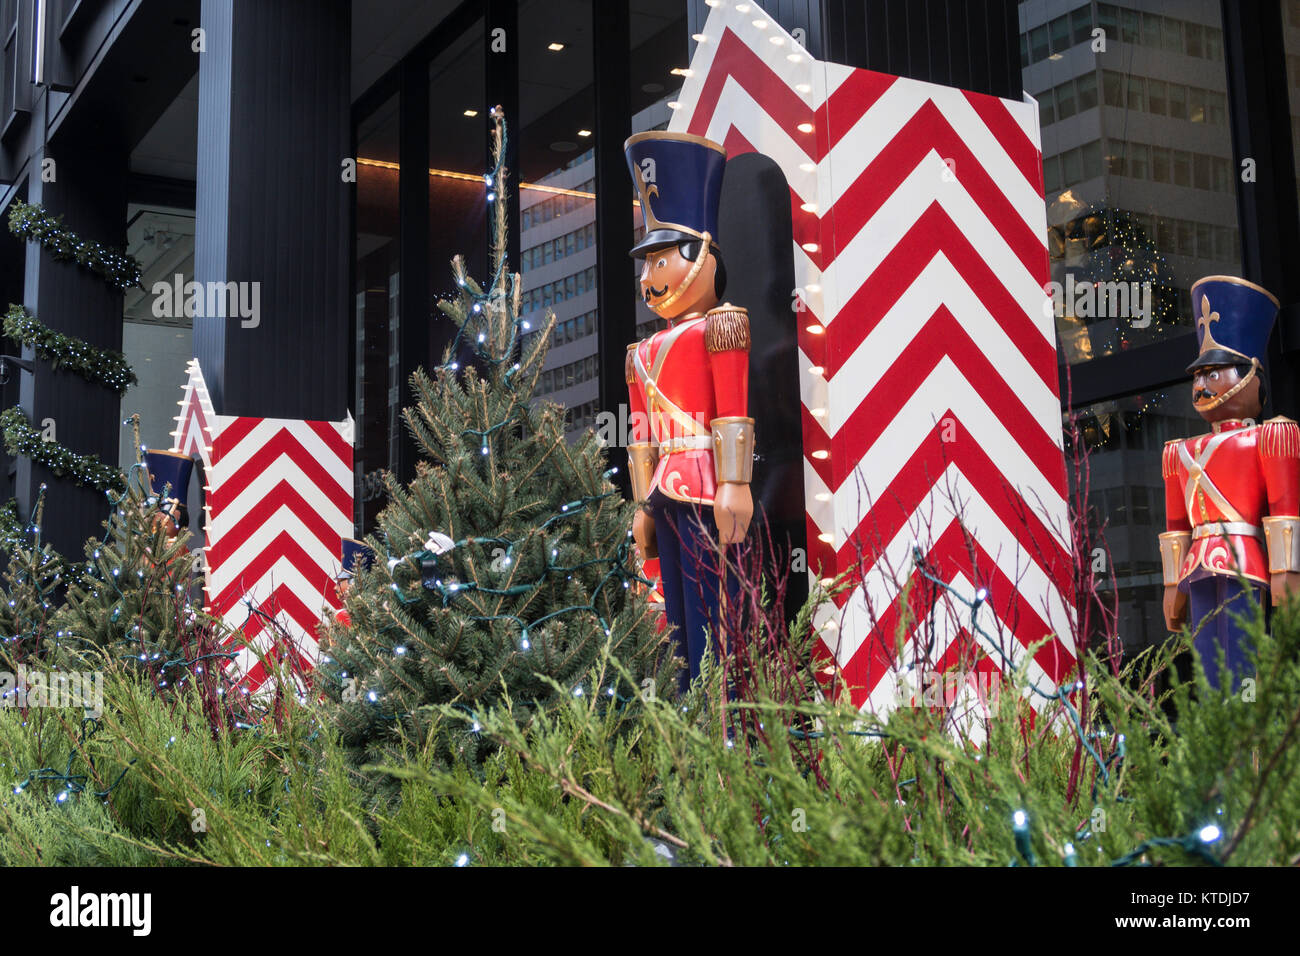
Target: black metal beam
point(971, 44)
point(615, 304)
point(276, 75)
point(89, 191)
point(1158, 365)
point(413, 331)
point(1267, 209)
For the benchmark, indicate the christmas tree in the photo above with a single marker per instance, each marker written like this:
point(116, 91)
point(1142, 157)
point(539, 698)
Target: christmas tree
point(508, 558)
point(29, 593)
point(132, 597)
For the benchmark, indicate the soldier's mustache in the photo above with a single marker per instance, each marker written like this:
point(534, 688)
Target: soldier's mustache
point(652, 293)
point(1202, 394)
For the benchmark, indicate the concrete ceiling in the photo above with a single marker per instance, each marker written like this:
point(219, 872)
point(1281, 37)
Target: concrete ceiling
point(556, 96)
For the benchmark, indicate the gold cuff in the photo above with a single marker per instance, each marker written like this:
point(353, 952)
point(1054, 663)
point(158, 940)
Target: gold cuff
point(1283, 534)
point(733, 449)
point(642, 456)
point(629, 363)
point(1173, 548)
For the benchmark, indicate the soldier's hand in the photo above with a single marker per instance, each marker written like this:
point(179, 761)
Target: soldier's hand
point(733, 508)
point(1175, 606)
point(643, 533)
point(1282, 584)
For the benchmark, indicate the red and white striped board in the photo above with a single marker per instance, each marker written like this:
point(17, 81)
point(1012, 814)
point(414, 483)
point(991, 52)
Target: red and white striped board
point(928, 371)
point(279, 502)
point(193, 434)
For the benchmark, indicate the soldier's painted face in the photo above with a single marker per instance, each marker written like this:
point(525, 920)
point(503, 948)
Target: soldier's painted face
point(1210, 386)
point(662, 273)
point(166, 522)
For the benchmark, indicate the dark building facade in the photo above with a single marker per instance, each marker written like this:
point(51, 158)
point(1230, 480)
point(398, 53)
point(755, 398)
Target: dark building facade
point(329, 153)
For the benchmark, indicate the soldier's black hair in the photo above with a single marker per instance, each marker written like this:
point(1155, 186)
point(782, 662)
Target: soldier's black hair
point(690, 250)
point(1243, 370)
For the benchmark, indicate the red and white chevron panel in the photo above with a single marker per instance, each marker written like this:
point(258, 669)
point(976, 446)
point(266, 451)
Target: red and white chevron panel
point(281, 502)
point(193, 434)
point(931, 413)
point(278, 503)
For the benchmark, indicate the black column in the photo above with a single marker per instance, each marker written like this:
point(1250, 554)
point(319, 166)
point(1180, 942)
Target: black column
point(414, 345)
point(615, 304)
point(970, 44)
point(89, 191)
point(272, 206)
point(1260, 117)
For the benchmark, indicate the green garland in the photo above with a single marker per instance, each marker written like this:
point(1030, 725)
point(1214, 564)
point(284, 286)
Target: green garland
point(12, 529)
point(97, 366)
point(22, 440)
point(31, 222)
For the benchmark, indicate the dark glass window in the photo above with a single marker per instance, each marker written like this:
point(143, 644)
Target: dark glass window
point(1156, 97)
point(1081, 24)
point(1086, 87)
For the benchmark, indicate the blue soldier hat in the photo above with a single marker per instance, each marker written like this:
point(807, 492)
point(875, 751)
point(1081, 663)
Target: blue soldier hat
point(169, 469)
point(356, 555)
point(679, 181)
point(1234, 319)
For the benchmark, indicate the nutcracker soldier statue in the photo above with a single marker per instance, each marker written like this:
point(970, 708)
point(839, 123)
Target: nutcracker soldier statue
point(691, 456)
point(169, 481)
point(1232, 497)
point(356, 555)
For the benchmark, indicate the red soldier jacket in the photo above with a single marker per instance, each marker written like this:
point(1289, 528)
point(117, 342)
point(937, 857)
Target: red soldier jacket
point(680, 380)
point(1222, 486)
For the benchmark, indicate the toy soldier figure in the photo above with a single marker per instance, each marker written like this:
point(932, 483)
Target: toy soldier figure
point(356, 555)
point(692, 452)
point(169, 481)
point(1232, 497)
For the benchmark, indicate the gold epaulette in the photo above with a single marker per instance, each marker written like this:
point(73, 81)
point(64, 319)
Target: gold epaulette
point(1279, 438)
point(1169, 459)
point(726, 329)
point(629, 364)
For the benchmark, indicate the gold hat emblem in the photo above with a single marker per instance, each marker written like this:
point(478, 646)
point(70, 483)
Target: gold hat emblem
point(1207, 317)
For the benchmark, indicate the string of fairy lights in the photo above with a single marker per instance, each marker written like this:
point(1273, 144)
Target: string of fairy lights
point(31, 222)
point(162, 663)
point(98, 366)
point(24, 440)
point(1196, 843)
